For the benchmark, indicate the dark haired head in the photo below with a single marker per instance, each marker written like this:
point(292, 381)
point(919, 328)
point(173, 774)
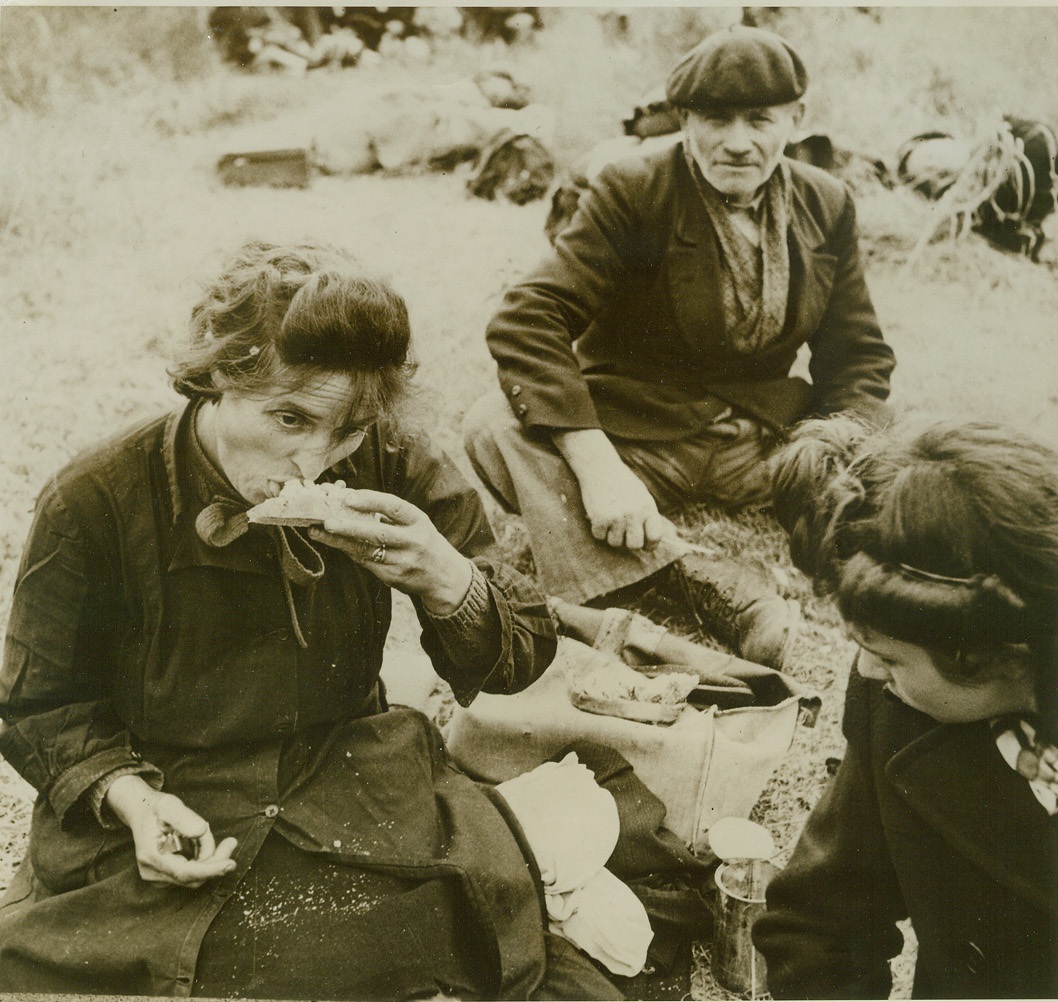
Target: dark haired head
point(304, 307)
point(811, 490)
point(942, 535)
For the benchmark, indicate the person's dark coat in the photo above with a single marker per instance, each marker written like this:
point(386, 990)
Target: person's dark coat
point(132, 642)
point(633, 282)
point(927, 821)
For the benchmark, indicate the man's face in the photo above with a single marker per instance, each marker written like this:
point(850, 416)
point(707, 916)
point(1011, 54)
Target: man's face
point(738, 149)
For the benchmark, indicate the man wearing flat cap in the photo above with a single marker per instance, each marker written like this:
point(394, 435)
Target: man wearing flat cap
point(645, 364)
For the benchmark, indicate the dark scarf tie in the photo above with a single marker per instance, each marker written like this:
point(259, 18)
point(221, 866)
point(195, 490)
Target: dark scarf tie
point(223, 521)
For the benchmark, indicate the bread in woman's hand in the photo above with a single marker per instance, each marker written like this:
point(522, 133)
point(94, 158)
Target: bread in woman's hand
point(302, 503)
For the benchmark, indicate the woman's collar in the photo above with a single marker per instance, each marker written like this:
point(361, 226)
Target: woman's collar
point(194, 481)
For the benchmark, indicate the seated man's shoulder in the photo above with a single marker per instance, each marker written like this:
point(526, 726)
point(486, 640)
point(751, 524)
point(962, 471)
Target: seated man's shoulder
point(639, 170)
point(825, 195)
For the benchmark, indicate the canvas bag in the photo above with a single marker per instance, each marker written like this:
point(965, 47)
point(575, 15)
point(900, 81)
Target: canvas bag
point(713, 761)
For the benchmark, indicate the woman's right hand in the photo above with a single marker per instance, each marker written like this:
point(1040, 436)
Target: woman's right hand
point(158, 821)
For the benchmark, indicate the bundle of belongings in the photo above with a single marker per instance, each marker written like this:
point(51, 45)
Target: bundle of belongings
point(487, 119)
point(1005, 186)
point(703, 729)
point(516, 166)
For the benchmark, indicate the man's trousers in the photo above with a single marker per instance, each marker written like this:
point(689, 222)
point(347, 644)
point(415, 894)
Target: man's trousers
point(722, 464)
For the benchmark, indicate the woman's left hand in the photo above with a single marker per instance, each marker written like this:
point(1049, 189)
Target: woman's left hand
point(399, 544)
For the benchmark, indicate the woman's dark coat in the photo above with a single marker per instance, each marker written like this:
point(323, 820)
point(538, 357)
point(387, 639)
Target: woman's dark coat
point(133, 642)
point(927, 821)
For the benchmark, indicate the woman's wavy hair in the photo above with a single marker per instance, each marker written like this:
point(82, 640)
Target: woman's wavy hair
point(304, 306)
point(943, 535)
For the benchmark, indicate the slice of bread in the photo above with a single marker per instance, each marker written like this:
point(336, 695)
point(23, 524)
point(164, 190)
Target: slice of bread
point(600, 683)
point(302, 503)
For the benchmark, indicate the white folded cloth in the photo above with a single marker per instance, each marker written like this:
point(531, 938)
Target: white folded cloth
point(569, 820)
point(608, 922)
point(572, 825)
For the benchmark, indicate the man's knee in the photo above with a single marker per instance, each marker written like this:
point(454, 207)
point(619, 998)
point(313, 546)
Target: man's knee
point(488, 419)
point(487, 422)
point(740, 474)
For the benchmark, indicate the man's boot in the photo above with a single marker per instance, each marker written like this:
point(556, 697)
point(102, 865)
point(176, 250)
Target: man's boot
point(738, 605)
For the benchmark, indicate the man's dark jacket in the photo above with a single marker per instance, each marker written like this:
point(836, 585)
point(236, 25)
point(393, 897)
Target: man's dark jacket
point(622, 327)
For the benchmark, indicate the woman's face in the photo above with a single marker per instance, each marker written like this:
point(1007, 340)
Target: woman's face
point(263, 438)
point(910, 674)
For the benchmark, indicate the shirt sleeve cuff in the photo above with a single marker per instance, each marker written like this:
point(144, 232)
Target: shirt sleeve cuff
point(74, 785)
point(96, 793)
point(471, 612)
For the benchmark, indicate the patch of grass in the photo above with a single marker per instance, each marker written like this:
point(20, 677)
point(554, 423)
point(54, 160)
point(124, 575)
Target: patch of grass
point(50, 56)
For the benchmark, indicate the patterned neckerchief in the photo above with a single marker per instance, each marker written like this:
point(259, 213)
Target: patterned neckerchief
point(755, 281)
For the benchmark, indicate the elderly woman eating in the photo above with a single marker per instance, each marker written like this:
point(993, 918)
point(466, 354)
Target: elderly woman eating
point(227, 806)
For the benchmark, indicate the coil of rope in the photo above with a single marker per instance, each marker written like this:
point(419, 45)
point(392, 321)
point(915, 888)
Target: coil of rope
point(997, 166)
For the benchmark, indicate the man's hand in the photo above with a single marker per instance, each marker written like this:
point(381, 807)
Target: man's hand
point(619, 507)
point(166, 833)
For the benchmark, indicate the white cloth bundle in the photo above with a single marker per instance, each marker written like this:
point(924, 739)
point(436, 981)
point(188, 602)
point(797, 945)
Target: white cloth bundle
point(608, 922)
point(571, 824)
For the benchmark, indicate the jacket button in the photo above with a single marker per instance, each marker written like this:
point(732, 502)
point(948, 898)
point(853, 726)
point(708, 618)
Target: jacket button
point(516, 390)
point(522, 410)
point(282, 634)
point(974, 958)
point(271, 811)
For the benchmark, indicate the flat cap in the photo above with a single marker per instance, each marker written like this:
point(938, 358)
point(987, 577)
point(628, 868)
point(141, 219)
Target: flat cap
point(739, 67)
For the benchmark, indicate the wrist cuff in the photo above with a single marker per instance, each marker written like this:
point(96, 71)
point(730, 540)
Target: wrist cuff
point(96, 793)
point(472, 610)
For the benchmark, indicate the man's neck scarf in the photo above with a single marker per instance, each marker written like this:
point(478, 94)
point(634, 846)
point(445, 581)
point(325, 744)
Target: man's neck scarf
point(755, 283)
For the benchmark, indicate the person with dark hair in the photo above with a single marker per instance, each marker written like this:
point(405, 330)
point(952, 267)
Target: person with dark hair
point(645, 364)
point(940, 545)
point(227, 806)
